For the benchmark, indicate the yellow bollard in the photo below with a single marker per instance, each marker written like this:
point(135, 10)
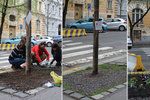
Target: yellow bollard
point(0, 46)
point(139, 65)
point(3, 46)
point(8, 47)
point(12, 46)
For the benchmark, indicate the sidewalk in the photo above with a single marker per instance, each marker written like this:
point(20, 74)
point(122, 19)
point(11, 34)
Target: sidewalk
point(47, 94)
point(119, 95)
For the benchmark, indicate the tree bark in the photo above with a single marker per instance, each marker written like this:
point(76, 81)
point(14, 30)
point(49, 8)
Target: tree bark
point(65, 12)
point(4, 9)
point(95, 39)
point(28, 47)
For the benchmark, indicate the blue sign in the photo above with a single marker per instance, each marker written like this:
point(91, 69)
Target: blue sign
point(89, 6)
point(21, 26)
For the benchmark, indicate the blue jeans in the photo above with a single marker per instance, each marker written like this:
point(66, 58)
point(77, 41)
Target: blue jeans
point(17, 62)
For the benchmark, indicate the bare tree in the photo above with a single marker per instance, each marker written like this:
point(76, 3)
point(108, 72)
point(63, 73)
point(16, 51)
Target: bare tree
point(3, 14)
point(132, 24)
point(65, 12)
point(4, 6)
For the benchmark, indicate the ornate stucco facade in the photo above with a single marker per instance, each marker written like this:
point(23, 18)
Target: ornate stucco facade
point(78, 9)
point(14, 20)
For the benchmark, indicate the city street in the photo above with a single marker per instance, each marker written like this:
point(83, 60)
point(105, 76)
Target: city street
point(79, 50)
point(145, 54)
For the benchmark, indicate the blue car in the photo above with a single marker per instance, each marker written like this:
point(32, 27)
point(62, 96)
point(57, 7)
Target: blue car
point(87, 24)
point(16, 40)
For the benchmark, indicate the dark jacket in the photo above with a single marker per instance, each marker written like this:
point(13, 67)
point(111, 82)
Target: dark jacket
point(18, 52)
point(57, 55)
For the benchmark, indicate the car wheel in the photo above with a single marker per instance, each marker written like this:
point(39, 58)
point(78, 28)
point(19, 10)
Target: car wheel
point(49, 44)
point(122, 28)
point(8, 43)
point(74, 27)
point(129, 47)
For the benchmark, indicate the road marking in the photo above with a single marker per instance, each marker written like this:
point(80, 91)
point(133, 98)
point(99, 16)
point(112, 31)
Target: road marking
point(72, 44)
point(84, 52)
point(100, 56)
point(5, 67)
point(4, 55)
point(1, 58)
point(66, 41)
point(2, 62)
point(75, 48)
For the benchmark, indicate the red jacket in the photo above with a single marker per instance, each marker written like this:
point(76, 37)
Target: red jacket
point(37, 51)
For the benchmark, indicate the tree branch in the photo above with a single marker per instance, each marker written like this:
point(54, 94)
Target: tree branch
point(142, 17)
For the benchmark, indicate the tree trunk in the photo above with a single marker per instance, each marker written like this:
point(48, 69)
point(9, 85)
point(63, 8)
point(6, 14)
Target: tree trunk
point(65, 12)
point(4, 9)
point(28, 47)
point(95, 39)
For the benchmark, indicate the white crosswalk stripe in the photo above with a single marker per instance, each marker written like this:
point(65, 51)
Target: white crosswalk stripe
point(78, 52)
point(73, 44)
point(76, 48)
point(4, 63)
point(84, 52)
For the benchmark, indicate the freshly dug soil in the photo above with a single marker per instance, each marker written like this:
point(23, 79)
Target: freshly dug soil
point(18, 80)
point(83, 82)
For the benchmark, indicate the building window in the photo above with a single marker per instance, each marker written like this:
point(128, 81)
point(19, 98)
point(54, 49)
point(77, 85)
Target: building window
point(59, 11)
point(12, 18)
point(108, 16)
point(38, 25)
point(137, 13)
point(109, 4)
point(40, 6)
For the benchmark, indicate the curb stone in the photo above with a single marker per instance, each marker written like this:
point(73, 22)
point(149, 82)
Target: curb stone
point(79, 96)
point(22, 94)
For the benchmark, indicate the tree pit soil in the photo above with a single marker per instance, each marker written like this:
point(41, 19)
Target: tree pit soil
point(18, 80)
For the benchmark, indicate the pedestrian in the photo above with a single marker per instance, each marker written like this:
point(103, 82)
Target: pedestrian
point(40, 55)
point(18, 54)
point(57, 54)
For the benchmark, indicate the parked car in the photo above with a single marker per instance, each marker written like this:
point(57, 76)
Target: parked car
point(47, 39)
point(87, 24)
point(57, 38)
point(16, 40)
point(117, 24)
point(129, 43)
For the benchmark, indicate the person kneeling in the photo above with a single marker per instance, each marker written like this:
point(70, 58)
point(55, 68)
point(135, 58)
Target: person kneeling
point(40, 54)
point(18, 55)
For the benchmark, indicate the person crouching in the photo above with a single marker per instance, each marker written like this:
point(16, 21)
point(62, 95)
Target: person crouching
point(40, 54)
point(57, 54)
point(18, 54)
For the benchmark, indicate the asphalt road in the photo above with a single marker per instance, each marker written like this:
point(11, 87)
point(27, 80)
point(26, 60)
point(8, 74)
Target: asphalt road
point(80, 49)
point(116, 39)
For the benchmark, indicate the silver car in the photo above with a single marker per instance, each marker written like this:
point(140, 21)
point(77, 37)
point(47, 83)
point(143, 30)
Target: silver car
point(117, 24)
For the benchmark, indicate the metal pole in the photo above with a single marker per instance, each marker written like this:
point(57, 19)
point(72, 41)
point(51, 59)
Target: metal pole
point(95, 38)
point(47, 17)
point(28, 46)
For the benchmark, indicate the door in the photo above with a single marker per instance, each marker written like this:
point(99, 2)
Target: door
point(78, 11)
point(12, 31)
